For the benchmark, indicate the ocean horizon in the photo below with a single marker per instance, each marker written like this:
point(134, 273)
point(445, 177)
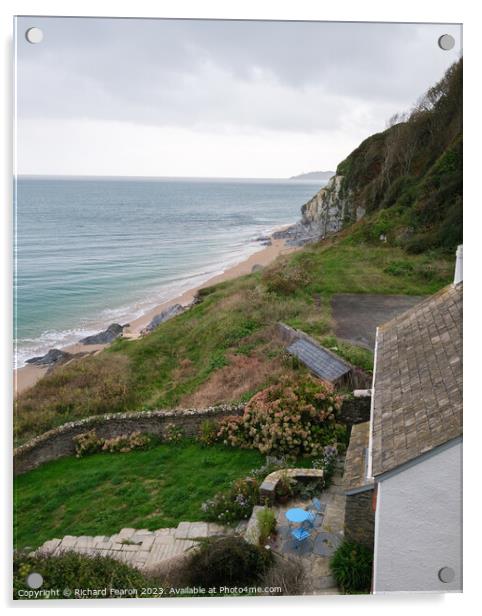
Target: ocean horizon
point(90, 251)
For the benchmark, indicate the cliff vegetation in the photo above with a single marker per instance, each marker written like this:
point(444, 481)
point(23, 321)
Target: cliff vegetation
point(403, 185)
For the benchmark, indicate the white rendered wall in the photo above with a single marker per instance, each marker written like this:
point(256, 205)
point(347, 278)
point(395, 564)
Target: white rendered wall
point(418, 525)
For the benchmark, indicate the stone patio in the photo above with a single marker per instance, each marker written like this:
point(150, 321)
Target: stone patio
point(316, 551)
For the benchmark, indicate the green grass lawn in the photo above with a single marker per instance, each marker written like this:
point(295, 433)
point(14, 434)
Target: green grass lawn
point(235, 317)
point(102, 493)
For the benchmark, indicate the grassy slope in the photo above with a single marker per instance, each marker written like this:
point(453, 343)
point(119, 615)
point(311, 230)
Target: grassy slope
point(235, 319)
point(103, 493)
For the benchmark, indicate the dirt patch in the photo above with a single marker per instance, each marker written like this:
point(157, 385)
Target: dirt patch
point(185, 370)
point(243, 374)
point(153, 486)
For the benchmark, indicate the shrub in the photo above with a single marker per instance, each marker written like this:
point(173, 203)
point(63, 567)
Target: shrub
point(234, 504)
point(227, 561)
point(89, 443)
point(292, 417)
point(399, 268)
point(71, 570)
point(285, 486)
point(208, 432)
point(272, 464)
point(285, 279)
point(351, 566)
point(125, 443)
point(327, 462)
point(173, 433)
point(286, 574)
point(266, 524)
point(308, 488)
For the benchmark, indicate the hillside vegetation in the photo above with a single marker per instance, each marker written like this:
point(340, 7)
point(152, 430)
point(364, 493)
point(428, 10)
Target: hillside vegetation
point(225, 348)
point(409, 178)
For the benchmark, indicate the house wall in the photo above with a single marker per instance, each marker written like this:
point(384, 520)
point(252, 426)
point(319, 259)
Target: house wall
point(418, 524)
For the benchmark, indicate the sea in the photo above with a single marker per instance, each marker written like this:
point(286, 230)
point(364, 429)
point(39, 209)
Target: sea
point(93, 251)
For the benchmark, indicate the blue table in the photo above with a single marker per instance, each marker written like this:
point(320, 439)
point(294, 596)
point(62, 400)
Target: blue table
point(297, 515)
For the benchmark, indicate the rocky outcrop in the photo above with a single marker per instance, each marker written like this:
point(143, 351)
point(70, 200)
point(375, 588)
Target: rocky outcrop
point(163, 316)
point(327, 209)
point(324, 214)
point(111, 333)
point(298, 234)
point(264, 240)
point(257, 267)
point(52, 358)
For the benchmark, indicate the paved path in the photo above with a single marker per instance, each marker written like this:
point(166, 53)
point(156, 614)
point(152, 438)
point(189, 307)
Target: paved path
point(143, 548)
point(358, 316)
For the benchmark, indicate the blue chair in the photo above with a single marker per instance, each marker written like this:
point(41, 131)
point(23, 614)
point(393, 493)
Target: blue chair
point(317, 509)
point(299, 535)
point(310, 522)
point(317, 505)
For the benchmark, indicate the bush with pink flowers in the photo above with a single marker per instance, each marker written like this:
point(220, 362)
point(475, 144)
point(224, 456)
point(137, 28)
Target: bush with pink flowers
point(294, 417)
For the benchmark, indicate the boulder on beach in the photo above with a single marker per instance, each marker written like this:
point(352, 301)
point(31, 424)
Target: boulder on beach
point(163, 316)
point(53, 357)
point(257, 267)
point(264, 240)
point(111, 333)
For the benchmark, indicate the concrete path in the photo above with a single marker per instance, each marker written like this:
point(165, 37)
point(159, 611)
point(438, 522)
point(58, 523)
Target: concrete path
point(143, 549)
point(358, 316)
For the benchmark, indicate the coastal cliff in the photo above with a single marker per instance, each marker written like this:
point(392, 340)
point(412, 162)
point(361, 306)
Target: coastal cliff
point(330, 207)
point(403, 185)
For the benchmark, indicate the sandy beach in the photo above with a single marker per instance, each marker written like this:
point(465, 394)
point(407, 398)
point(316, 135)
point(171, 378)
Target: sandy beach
point(27, 376)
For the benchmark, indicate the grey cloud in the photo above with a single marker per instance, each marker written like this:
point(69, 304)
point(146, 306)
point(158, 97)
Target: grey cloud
point(219, 75)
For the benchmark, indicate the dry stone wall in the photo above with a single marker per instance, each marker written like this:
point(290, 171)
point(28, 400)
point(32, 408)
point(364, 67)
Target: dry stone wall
point(58, 442)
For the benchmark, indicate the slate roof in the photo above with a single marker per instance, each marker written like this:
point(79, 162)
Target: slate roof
point(418, 381)
point(320, 361)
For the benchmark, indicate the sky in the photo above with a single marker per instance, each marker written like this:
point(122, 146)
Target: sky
point(194, 98)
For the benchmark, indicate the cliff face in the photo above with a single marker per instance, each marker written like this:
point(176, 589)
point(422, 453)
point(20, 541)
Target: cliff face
point(406, 182)
point(330, 208)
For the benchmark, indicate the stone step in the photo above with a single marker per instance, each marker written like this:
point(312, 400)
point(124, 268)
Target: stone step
point(141, 548)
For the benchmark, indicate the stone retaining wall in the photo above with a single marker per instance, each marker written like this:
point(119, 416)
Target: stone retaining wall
point(58, 442)
point(267, 490)
point(355, 410)
point(360, 518)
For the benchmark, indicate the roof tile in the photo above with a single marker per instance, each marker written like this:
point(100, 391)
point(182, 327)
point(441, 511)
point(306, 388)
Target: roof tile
point(418, 380)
